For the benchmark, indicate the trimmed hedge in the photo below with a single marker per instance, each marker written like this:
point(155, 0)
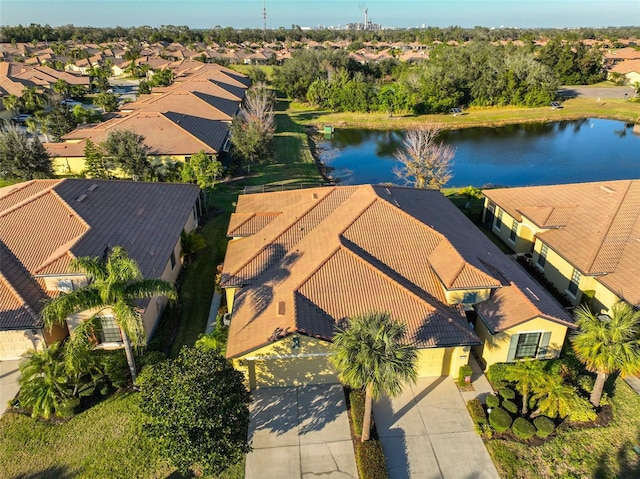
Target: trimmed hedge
point(507, 393)
point(370, 460)
point(523, 428)
point(544, 426)
point(510, 406)
point(492, 401)
point(476, 411)
point(500, 419)
point(356, 399)
point(465, 370)
point(496, 372)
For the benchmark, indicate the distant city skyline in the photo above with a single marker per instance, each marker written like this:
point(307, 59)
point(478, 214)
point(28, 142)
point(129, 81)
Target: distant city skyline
point(197, 14)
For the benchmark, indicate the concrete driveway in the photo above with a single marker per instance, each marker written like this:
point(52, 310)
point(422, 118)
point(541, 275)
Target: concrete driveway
point(427, 433)
point(300, 432)
point(9, 375)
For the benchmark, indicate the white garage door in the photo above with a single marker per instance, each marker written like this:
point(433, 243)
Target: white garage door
point(13, 344)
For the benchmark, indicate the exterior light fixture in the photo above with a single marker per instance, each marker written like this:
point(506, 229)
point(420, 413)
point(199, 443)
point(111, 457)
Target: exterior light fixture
point(296, 342)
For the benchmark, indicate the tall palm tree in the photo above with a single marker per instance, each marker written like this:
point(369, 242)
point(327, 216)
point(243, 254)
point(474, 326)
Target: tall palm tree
point(608, 343)
point(114, 284)
point(527, 375)
point(372, 353)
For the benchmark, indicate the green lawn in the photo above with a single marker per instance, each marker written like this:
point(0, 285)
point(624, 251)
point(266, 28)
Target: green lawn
point(596, 453)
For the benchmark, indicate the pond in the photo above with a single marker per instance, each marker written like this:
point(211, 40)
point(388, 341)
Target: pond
point(514, 155)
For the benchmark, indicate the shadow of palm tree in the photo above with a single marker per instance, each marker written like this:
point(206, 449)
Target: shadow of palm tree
point(54, 472)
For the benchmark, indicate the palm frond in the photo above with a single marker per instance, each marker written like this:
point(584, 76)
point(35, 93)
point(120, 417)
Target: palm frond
point(130, 323)
point(57, 310)
point(94, 268)
point(147, 288)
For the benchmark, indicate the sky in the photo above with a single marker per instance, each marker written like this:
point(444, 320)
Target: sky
point(313, 13)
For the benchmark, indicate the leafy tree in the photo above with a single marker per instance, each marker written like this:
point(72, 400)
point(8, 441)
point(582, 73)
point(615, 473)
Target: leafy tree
point(59, 121)
point(253, 128)
point(372, 353)
point(85, 115)
point(98, 166)
point(62, 88)
point(162, 77)
point(21, 157)
point(425, 162)
point(202, 169)
point(197, 410)
point(32, 99)
point(115, 283)
point(607, 343)
point(527, 376)
point(13, 103)
point(128, 151)
point(144, 88)
point(107, 101)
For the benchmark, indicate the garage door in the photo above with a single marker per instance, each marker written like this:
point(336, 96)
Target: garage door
point(13, 344)
point(289, 372)
point(431, 362)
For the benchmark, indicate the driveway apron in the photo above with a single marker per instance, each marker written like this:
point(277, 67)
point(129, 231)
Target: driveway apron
point(9, 387)
point(427, 433)
point(300, 432)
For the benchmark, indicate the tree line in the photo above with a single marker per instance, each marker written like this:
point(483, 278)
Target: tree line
point(477, 74)
point(220, 35)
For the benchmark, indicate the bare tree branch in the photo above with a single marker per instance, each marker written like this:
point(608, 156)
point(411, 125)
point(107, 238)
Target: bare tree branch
point(425, 163)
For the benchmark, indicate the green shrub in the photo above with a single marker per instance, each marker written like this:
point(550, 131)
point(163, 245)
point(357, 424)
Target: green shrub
point(544, 426)
point(523, 428)
point(465, 371)
point(150, 358)
point(507, 393)
point(478, 414)
point(496, 372)
point(582, 410)
point(115, 367)
point(370, 460)
point(356, 398)
point(500, 419)
point(585, 382)
point(510, 406)
point(492, 401)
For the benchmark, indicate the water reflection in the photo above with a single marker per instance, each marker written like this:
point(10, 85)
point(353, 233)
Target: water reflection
point(514, 155)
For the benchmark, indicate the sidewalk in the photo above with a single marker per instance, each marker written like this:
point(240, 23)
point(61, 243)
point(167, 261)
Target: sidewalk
point(213, 312)
point(479, 381)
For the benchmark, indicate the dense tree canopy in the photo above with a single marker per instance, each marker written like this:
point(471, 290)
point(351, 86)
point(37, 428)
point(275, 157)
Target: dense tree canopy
point(22, 157)
point(197, 410)
point(127, 150)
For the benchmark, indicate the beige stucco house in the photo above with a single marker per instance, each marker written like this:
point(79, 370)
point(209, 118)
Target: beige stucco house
point(301, 262)
point(44, 224)
point(584, 237)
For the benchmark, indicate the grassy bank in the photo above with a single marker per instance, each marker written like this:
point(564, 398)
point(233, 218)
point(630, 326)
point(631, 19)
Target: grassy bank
point(574, 108)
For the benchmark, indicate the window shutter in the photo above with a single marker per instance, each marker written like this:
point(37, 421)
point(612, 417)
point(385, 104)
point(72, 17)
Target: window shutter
point(513, 346)
point(544, 345)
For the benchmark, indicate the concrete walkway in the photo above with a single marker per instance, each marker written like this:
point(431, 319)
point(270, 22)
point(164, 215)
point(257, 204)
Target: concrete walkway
point(634, 383)
point(300, 432)
point(9, 387)
point(213, 312)
point(427, 433)
point(479, 382)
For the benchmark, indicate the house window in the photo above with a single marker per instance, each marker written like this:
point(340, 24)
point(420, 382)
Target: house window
point(110, 331)
point(542, 257)
point(65, 285)
point(470, 297)
point(575, 282)
point(529, 345)
point(498, 224)
point(514, 232)
point(172, 258)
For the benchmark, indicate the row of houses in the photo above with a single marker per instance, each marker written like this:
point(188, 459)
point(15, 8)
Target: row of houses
point(300, 263)
point(192, 115)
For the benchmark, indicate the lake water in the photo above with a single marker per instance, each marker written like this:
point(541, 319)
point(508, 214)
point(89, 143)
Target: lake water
point(515, 155)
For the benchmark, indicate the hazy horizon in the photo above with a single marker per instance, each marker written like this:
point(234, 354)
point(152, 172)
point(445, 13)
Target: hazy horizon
point(205, 14)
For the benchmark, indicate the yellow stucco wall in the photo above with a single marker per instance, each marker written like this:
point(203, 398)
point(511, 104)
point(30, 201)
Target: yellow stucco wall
point(73, 165)
point(457, 297)
point(441, 361)
point(495, 348)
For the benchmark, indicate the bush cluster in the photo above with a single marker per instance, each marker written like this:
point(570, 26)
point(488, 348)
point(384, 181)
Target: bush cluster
point(356, 398)
point(500, 419)
point(510, 406)
point(497, 373)
point(523, 428)
point(370, 460)
point(544, 426)
point(492, 401)
point(507, 393)
point(477, 413)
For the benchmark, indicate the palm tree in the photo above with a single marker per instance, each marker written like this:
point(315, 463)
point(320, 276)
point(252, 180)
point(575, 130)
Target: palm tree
point(554, 397)
point(527, 375)
point(607, 343)
point(372, 353)
point(114, 284)
point(44, 384)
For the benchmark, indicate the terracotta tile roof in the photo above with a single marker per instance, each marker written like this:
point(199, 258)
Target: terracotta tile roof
point(320, 255)
point(62, 219)
point(186, 102)
point(597, 228)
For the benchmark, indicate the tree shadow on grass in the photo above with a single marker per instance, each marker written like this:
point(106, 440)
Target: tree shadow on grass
point(54, 472)
point(628, 460)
